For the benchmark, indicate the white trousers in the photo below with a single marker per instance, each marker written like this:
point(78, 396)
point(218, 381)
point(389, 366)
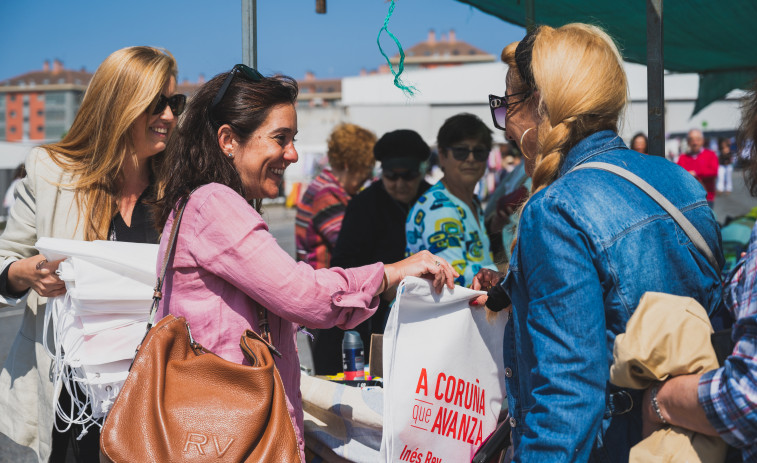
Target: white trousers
point(725, 178)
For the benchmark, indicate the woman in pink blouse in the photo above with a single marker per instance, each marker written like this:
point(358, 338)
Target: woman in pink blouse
point(231, 150)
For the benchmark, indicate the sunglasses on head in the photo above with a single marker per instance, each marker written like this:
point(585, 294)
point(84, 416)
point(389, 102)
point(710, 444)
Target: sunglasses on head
point(460, 153)
point(175, 102)
point(407, 175)
point(250, 73)
point(500, 104)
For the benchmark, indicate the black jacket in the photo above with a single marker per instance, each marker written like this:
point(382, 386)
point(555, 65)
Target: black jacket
point(373, 230)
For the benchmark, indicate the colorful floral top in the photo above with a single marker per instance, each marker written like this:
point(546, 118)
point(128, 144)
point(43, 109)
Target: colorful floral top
point(444, 225)
point(319, 219)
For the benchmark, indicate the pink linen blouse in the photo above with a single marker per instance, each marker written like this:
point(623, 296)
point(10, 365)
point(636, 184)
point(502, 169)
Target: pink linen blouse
point(226, 263)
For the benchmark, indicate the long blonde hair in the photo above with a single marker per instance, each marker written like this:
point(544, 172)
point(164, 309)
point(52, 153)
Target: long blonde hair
point(579, 74)
point(123, 87)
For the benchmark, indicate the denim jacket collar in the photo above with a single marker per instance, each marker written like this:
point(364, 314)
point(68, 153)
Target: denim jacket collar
point(589, 147)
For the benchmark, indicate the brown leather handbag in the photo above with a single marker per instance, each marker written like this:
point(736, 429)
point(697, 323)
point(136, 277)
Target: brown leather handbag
point(181, 402)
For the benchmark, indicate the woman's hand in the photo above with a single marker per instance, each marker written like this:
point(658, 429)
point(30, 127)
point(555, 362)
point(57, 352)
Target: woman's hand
point(35, 273)
point(425, 265)
point(485, 280)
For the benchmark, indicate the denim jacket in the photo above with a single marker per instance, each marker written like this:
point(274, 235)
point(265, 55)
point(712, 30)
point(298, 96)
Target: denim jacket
point(589, 246)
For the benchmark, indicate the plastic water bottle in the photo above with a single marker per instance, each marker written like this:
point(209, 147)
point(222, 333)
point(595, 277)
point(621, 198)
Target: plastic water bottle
point(352, 356)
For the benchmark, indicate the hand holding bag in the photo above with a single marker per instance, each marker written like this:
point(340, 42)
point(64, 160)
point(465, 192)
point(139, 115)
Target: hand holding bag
point(181, 402)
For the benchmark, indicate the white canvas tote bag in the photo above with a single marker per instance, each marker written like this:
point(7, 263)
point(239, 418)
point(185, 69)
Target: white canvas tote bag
point(444, 376)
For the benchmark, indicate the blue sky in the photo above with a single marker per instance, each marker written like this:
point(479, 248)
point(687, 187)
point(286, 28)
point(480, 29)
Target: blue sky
point(206, 36)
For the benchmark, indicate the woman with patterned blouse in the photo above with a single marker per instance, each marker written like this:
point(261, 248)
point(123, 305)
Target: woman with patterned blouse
point(448, 220)
point(321, 208)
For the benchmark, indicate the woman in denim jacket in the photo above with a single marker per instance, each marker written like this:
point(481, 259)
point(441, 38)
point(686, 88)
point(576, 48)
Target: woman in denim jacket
point(590, 244)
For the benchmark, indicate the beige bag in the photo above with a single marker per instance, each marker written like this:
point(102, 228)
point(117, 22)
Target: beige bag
point(667, 336)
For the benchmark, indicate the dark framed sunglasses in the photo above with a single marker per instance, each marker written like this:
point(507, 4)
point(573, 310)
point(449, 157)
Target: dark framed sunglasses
point(460, 153)
point(500, 104)
point(407, 176)
point(248, 72)
point(175, 102)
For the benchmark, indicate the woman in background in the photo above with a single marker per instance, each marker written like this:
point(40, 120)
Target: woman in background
point(92, 185)
point(725, 169)
point(373, 230)
point(448, 220)
point(640, 143)
point(321, 209)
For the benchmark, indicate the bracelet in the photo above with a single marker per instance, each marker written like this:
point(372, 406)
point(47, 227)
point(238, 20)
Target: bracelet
point(655, 404)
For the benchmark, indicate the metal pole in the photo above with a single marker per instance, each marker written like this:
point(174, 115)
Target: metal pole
point(530, 15)
point(250, 33)
point(655, 78)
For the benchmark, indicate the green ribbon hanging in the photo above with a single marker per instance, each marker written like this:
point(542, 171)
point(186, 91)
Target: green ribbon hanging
point(408, 90)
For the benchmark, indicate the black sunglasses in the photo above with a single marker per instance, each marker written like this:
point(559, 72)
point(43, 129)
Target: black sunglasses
point(175, 102)
point(460, 153)
point(250, 73)
point(500, 104)
point(408, 175)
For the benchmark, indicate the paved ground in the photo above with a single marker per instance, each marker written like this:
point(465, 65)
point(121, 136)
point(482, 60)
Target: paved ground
point(281, 223)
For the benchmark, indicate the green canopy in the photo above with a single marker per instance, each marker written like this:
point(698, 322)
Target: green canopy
point(716, 39)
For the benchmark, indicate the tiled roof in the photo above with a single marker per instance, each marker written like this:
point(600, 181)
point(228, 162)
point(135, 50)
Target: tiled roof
point(444, 48)
point(447, 50)
point(320, 85)
point(65, 76)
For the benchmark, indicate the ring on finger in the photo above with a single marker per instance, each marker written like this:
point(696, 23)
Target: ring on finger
point(437, 263)
point(41, 263)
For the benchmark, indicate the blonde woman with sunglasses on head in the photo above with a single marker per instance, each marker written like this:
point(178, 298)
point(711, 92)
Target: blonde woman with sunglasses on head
point(92, 185)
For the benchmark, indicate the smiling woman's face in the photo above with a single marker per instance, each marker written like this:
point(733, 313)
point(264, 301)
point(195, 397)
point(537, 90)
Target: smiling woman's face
point(268, 152)
point(150, 132)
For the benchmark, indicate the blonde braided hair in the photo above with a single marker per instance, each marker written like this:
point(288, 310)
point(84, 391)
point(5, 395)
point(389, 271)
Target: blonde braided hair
point(583, 89)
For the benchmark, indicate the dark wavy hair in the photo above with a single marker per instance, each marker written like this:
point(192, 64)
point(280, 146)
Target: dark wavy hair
point(747, 139)
point(194, 158)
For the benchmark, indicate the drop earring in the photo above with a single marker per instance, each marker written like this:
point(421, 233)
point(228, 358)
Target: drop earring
point(523, 151)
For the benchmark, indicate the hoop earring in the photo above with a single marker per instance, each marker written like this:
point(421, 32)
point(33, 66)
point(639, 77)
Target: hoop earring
point(522, 151)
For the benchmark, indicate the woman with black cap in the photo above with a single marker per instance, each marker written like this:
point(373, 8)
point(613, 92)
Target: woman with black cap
point(373, 230)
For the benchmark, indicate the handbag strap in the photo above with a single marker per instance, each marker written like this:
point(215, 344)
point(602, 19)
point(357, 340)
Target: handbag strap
point(157, 294)
point(676, 214)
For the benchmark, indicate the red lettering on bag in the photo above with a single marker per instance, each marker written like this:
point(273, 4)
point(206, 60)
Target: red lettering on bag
point(452, 427)
point(422, 382)
point(449, 392)
point(460, 391)
point(472, 430)
point(439, 420)
point(439, 380)
point(462, 430)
